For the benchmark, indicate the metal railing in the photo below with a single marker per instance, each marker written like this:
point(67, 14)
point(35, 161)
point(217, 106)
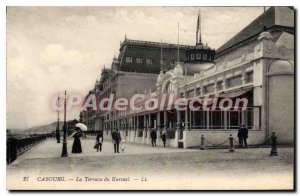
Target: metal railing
point(15, 147)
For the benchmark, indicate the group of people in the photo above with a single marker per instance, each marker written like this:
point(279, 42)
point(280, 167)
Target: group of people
point(153, 136)
point(116, 138)
point(76, 147)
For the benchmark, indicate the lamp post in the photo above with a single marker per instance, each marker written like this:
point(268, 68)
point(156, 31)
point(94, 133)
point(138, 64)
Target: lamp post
point(64, 147)
point(57, 126)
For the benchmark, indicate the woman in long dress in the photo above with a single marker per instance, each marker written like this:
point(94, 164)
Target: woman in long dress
point(76, 148)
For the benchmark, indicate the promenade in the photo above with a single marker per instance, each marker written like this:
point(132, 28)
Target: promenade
point(146, 167)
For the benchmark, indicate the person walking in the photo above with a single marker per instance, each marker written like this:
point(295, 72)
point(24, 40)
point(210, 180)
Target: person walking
point(240, 136)
point(99, 141)
point(164, 138)
point(76, 148)
point(244, 135)
point(116, 137)
point(153, 137)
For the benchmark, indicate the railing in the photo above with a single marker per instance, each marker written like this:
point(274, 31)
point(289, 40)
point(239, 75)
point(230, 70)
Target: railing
point(170, 134)
point(91, 133)
point(158, 44)
point(15, 147)
point(140, 133)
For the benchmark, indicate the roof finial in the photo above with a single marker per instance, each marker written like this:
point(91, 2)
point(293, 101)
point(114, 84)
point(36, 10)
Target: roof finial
point(125, 37)
point(198, 31)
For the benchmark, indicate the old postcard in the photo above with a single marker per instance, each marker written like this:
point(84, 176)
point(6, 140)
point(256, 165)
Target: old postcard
point(150, 98)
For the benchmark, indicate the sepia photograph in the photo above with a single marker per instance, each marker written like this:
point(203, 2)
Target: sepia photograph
point(150, 98)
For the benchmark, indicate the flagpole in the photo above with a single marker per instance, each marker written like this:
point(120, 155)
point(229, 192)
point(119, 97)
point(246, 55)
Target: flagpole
point(200, 26)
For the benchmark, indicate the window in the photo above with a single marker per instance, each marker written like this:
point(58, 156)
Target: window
point(249, 77)
point(199, 120)
point(128, 59)
point(148, 60)
point(249, 118)
point(198, 56)
point(209, 88)
point(216, 119)
point(190, 93)
point(219, 85)
point(233, 119)
point(139, 60)
point(235, 81)
point(172, 62)
point(204, 56)
point(192, 56)
point(198, 91)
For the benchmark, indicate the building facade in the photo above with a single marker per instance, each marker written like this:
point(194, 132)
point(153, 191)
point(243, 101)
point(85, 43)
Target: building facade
point(135, 70)
point(256, 64)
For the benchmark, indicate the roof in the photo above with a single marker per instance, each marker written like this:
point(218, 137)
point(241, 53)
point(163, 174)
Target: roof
point(144, 50)
point(273, 17)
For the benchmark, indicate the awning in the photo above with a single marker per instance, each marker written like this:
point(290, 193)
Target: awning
point(234, 94)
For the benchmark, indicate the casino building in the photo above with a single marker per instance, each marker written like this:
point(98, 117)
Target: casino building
point(257, 64)
point(135, 70)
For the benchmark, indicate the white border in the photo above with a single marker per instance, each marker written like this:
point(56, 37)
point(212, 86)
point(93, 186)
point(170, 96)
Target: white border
point(5, 3)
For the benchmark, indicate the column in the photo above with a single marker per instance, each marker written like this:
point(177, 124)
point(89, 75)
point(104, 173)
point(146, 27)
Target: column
point(144, 128)
point(243, 77)
point(158, 121)
point(137, 127)
point(165, 121)
point(186, 127)
point(224, 83)
point(177, 125)
point(216, 86)
point(149, 129)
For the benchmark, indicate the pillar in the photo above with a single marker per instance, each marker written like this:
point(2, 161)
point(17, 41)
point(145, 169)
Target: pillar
point(144, 129)
point(158, 121)
point(165, 121)
point(177, 126)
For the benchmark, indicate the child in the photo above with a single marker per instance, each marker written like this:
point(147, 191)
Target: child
point(123, 146)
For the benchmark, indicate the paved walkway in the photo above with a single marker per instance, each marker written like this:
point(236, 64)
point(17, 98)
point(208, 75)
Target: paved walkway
point(51, 149)
point(164, 168)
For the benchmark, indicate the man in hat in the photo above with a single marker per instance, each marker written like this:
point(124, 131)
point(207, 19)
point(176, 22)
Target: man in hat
point(116, 137)
point(153, 137)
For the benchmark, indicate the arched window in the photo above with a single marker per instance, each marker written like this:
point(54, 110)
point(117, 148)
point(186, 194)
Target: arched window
point(192, 56)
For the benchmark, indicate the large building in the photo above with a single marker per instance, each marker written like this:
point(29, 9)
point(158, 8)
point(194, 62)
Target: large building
point(134, 71)
point(256, 64)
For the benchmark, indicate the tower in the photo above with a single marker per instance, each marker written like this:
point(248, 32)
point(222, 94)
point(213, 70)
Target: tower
point(201, 56)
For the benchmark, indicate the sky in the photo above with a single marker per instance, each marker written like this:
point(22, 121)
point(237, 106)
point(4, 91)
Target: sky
point(52, 49)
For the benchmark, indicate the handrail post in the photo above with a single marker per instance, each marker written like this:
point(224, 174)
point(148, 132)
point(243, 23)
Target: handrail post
point(231, 146)
point(202, 143)
point(274, 147)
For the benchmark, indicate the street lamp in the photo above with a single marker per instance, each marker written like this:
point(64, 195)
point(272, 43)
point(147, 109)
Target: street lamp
point(64, 147)
point(57, 126)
